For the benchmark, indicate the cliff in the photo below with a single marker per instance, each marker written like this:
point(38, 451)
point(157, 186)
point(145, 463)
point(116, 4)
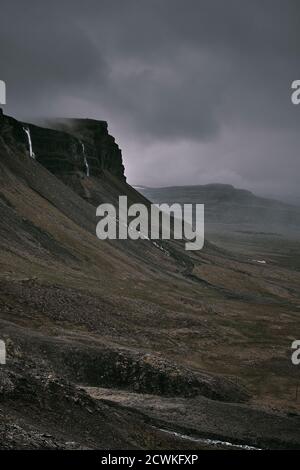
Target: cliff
point(80, 147)
point(101, 149)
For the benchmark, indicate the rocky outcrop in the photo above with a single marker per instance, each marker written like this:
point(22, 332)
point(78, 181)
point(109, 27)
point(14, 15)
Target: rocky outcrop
point(66, 147)
point(97, 141)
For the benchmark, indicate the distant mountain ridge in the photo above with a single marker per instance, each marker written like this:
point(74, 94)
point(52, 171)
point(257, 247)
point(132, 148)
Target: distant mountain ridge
point(228, 205)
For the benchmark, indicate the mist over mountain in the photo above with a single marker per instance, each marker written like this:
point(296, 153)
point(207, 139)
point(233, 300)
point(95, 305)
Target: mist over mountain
point(225, 204)
point(204, 98)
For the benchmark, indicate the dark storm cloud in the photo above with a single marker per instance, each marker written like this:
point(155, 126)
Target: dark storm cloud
point(194, 90)
point(45, 56)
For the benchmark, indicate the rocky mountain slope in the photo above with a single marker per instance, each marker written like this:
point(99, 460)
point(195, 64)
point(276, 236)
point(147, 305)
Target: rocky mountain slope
point(86, 321)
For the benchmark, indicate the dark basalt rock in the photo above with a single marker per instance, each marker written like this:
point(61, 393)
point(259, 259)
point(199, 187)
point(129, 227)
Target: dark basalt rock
point(68, 147)
point(94, 134)
point(12, 133)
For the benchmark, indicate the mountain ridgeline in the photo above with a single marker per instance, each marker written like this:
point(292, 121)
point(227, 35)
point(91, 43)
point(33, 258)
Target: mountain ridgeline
point(230, 206)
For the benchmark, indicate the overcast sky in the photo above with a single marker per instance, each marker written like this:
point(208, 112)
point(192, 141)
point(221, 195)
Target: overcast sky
point(194, 91)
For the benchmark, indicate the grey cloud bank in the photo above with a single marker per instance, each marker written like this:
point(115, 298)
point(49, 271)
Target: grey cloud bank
point(194, 91)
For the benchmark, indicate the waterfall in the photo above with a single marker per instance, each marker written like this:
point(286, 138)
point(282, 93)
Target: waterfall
point(85, 160)
point(27, 132)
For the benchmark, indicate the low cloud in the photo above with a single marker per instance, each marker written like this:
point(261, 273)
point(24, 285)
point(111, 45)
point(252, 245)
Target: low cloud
point(194, 91)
